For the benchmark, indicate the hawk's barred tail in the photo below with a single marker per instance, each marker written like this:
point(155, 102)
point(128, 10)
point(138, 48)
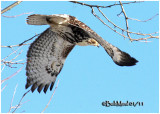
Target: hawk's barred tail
point(37, 19)
point(119, 57)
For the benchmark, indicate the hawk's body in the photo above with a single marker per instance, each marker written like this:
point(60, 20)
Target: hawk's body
point(48, 52)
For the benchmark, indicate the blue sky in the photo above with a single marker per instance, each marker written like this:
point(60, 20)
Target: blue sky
point(89, 76)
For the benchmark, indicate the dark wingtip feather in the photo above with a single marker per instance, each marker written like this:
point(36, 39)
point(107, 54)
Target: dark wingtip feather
point(51, 87)
point(40, 87)
point(126, 60)
point(46, 88)
point(34, 87)
point(27, 85)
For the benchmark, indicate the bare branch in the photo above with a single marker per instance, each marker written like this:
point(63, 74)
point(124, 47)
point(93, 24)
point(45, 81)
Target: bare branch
point(123, 30)
point(3, 68)
point(16, 15)
point(21, 100)
point(14, 45)
point(10, 6)
point(10, 54)
point(116, 26)
point(126, 18)
point(109, 6)
point(129, 33)
point(13, 98)
point(18, 106)
point(150, 37)
point(51, 97)
point(28, 39)
point(106, 24)
point(144, 20)
point(11, 75)
point(4, 87)
point(21, 44)
point(10, 63)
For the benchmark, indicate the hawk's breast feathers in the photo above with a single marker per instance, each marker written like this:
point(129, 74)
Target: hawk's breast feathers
point(47, 54)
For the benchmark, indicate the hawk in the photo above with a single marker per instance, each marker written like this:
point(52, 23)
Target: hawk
point(47, 54)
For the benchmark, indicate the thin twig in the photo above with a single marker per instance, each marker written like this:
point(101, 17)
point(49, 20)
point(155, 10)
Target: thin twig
point(122, 28)
point(18, 106)
point(10, 6)
point(106, 24)
point(21, 44)
point(14, 45)
point(13, 98)
point(16, 15)
point(4, 87)
point(51, 97)
point(28, 39)
point(10, 63)
point(126, 19)
point(11, 75)
point(149, 35)
point(16, 56)
point(10, 54)
point(3, 68)
point(21, 100)
point(144, 20)
point(109, 6)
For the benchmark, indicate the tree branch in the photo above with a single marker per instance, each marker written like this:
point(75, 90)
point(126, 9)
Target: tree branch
point(126, 18)
point(106, 24)
point(128, 33)
point(12, 98)
point(109, 6)
point(16, 15)
point(10, 6)
point(51, 97)
point(144, 20)
point(21, 100)
point(21, 44)
point(11, 75)
point(4, 87)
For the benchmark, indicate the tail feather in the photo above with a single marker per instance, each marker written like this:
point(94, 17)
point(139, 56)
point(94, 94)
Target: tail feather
point(37, 19)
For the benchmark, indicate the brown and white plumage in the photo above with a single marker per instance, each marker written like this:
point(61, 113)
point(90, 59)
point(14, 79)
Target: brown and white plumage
point(48, 52)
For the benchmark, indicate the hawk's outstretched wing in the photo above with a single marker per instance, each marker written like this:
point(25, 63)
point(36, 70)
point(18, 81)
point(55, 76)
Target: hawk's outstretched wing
point(119, 57)
point(45, 60)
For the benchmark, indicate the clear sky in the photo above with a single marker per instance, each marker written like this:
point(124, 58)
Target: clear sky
point(89, 76)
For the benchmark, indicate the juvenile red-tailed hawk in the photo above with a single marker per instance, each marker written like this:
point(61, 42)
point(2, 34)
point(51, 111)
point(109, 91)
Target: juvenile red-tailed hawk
point(48, 52)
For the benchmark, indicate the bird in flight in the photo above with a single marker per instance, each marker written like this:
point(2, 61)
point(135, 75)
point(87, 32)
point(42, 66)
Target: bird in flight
point(47, 54)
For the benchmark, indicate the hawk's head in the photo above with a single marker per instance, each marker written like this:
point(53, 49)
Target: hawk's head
point(93, 42)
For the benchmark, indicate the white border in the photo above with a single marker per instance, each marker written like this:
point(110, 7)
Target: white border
point(87, 0)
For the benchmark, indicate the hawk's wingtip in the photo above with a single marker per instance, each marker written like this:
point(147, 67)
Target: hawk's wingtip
point(126, 60)
point(132, 62)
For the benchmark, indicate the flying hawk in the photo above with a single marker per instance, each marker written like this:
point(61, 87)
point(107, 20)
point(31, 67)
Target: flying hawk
point(47, 54)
